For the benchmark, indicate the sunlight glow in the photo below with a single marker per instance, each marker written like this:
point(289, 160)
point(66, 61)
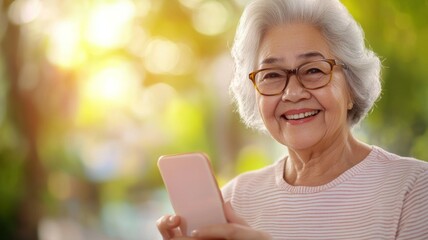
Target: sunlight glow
point(142, 7)
point(138, 41)
point(211, 18)
point(190, 3)
point(24, 11)
point(64, 48)
point(162, 56)
point(109, 24)
point(108, 85)
point(242, 3)
point(115, 84)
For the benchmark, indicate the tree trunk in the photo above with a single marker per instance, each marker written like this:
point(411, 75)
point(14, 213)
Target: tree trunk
point(26, 117)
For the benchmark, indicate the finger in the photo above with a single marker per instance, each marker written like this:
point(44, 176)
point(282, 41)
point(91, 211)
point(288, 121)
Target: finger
point(162, 225)
point(231, 215)
point(168, 226)
point(185, 238)
point(230, 231)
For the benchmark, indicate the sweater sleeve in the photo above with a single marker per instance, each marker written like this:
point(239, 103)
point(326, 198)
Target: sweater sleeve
point(415, 211)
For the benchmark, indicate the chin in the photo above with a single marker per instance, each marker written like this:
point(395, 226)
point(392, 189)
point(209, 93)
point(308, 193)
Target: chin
point(301, 142)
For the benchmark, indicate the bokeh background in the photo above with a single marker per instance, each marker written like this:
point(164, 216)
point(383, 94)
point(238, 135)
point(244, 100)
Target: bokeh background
point(92, 92)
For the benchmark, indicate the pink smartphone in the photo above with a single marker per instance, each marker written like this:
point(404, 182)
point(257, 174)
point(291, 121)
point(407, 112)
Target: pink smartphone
point(193, 190)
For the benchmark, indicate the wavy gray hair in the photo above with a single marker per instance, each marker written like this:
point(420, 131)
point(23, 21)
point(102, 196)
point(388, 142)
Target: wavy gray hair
point(342, 33)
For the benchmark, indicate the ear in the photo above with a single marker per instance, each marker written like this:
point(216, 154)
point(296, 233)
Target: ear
point(350, 98)
point(350, 105)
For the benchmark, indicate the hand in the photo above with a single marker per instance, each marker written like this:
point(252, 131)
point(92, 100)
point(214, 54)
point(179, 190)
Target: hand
point(168, 227)
point(236, 229)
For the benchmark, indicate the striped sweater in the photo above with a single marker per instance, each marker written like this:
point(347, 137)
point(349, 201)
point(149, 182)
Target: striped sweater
point(385, 196)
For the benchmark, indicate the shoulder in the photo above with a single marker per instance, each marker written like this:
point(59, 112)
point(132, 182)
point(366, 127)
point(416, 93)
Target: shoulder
point(406, 170)
point(390, 161)
point(411, 179)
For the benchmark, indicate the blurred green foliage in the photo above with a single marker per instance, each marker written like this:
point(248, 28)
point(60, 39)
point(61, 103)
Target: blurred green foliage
point(397, 31)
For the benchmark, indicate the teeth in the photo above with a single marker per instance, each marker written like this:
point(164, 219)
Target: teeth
point(301, 115)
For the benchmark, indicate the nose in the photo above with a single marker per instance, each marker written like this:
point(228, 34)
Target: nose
point(294, 91)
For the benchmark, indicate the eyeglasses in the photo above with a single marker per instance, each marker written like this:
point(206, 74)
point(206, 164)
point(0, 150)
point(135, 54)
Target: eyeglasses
point(312, 75)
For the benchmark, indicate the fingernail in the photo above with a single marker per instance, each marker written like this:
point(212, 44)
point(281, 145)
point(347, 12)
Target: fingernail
point(194, 233)
point(171, 219)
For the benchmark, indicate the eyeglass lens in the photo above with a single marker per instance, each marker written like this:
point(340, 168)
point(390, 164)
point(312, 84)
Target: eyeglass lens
point(311, 75)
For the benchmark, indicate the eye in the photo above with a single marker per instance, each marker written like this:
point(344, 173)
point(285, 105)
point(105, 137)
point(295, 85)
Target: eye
point(317, 68)
point(270, 75)
point(313, 71)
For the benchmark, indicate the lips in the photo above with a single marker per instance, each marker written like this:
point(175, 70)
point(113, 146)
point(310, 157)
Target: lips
point(300, 114)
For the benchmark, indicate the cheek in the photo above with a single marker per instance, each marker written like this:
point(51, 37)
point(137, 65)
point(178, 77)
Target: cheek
point(340, 91)
point(266, 107)
point(336, 100)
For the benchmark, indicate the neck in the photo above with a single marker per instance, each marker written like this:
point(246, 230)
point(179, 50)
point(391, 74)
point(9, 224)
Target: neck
point(318, 166)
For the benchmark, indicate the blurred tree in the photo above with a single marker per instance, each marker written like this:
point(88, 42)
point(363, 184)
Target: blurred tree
point(25, 118)
point(398, 32)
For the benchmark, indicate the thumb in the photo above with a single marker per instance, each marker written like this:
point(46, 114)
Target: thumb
point(231, 215)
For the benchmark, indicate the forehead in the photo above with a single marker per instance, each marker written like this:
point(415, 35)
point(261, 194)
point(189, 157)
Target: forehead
point(290, 42)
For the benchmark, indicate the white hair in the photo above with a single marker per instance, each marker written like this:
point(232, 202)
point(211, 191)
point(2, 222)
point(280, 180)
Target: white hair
point(342, 33)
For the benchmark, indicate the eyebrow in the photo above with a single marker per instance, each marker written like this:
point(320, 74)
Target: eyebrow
point(307, 55)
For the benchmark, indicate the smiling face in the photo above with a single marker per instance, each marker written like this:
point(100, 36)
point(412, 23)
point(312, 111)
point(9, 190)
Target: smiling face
point(299, 118)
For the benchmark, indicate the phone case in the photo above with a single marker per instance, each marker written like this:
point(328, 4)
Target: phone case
point(193, 190)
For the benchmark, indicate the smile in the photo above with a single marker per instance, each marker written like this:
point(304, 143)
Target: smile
point(302, 115)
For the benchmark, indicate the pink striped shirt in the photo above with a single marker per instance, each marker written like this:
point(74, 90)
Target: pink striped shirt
point(383, 197)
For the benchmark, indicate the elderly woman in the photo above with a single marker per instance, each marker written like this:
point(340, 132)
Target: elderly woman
point(311, 79)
